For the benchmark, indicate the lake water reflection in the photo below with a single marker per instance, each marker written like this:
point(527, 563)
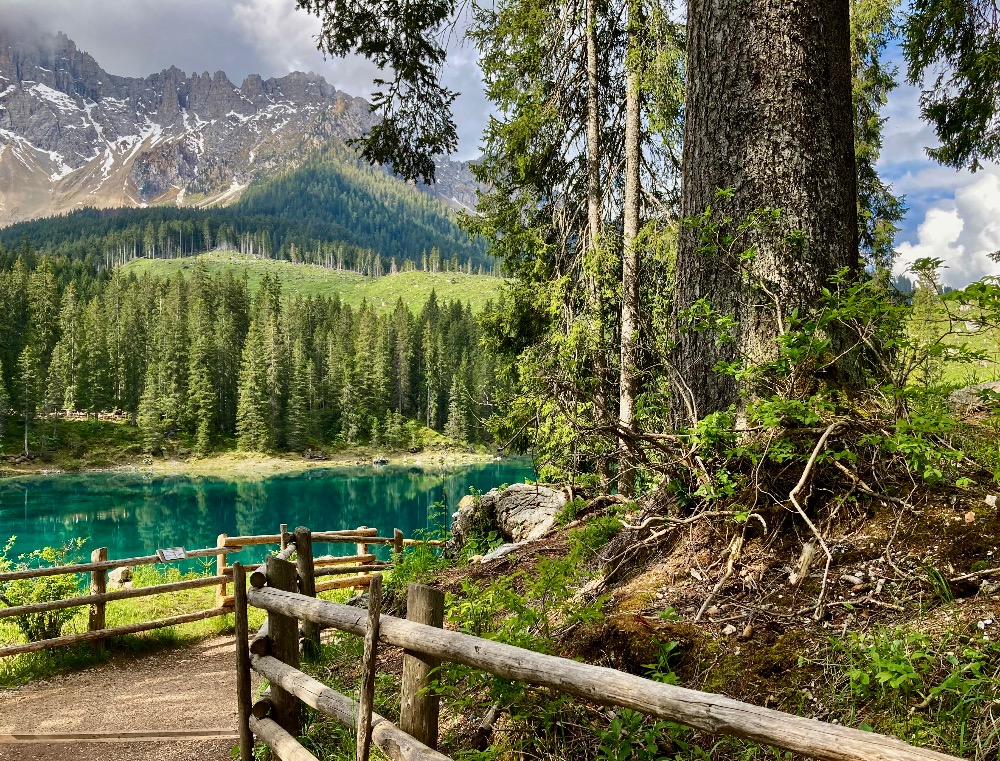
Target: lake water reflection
point(134, 514)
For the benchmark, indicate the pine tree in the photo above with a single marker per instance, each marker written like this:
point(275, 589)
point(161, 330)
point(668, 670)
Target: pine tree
point(29, 380)
point(4, 405)
point(455, 428)
point(298, 428)
point(253, 411)
point(150, 413)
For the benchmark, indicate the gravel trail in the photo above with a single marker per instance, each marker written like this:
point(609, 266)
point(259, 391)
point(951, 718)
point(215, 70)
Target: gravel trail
point(190, 688)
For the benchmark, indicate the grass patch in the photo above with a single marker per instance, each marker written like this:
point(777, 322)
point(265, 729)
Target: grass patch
point(21, 669)
point(312, 280)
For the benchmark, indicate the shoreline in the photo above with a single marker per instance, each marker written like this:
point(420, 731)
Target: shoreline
point(249, 465)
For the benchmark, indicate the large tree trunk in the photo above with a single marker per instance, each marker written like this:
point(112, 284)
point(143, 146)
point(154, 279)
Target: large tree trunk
point(630, 258)
point(767, 115)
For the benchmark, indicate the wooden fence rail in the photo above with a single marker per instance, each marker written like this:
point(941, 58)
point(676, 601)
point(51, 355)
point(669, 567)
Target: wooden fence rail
point(99, 597)
point(709, 712)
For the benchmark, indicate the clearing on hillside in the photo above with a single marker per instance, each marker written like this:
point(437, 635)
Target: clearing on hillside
point(313, 280)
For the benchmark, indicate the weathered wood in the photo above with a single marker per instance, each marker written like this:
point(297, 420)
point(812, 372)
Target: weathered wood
point(59, 570)
point(343, 560)
point(284, 745)
point(283, 533)
point(261, 642)
point(347, 535)
point(347, 583)
point(283, 631)
point(122, 594)
point(398, 745)
point(220, 568)
point(243, 699)
point(340, 570)
point(397, 541)
point(258, 576)
point(263, 705)
point(369, 665)
point(307, 583)
point(702, 710)
point(418, 707)
point(98, 586)
point(75, 639)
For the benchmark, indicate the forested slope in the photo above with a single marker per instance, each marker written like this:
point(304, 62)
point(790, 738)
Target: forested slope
point(334, 210)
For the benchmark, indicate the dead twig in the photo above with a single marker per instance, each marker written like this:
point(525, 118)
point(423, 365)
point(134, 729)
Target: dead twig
point(793, 497)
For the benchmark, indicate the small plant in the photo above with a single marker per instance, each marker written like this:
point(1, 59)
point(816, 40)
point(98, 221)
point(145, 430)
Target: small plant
point(48, 624)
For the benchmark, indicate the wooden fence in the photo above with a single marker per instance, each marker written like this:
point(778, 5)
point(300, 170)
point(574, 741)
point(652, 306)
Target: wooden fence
point(355, 569)
point(282, 589)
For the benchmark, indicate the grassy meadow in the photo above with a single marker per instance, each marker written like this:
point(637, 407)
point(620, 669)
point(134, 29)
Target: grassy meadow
point(313, 280)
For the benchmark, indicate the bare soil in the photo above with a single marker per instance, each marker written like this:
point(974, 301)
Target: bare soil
point(190, 688)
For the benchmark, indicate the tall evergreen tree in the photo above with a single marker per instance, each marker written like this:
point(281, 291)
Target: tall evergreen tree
point(29, 384)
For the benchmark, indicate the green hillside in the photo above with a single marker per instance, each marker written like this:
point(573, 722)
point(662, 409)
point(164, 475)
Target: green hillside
point(333, 209)
point(413, 286)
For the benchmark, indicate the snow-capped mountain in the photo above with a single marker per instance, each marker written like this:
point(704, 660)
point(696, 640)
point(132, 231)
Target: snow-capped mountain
point(72, 135)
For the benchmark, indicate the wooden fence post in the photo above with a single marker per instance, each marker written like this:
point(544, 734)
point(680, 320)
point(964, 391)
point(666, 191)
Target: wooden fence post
point(283, 533)
point(220, 568)
point(98, 586)
point(369, 666)
point(243, 698)
point(284, 634)
point(361, 548)
point(418, 710)
point(397, 544)
point(307, 583)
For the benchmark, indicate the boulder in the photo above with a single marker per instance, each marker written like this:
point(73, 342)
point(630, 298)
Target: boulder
point(975, 398)
point(119, 577)
point(525, 512)
point(463, 520)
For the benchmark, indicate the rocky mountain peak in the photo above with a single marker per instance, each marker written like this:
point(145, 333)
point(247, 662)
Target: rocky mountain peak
point(73, 135)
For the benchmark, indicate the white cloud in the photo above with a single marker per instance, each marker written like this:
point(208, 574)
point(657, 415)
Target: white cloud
point(962, 231)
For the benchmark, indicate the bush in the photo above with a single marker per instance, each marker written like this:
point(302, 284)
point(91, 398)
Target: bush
point(46, 625)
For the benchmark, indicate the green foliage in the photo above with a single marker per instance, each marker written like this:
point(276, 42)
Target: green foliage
point(953, 47)
point(942, 687)
point(46, 625)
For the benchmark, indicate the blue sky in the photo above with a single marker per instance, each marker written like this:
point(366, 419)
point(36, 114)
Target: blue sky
point(953, 215)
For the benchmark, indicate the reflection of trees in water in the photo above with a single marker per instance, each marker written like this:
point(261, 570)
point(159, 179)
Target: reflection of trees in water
point(251, 512)
point(134, 514)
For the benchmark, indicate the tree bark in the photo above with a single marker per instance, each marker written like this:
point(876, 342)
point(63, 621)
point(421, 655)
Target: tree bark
point(630, 257)
point(767, 115)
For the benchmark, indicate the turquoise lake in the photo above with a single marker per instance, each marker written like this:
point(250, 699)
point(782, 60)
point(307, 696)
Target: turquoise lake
point(134, 514)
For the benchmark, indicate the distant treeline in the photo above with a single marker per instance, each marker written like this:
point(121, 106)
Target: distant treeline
point(334, 211)
point(197, 359)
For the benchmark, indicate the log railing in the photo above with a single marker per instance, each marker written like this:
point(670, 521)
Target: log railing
point(275, 720)
point(355, 569)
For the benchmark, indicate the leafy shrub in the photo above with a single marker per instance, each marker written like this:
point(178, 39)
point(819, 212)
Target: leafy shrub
point(48, 624)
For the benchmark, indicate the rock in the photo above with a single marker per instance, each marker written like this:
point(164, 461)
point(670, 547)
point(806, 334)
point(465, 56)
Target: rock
point(991, 500)
point(525, 512)
point(975, 398)
point(118, 577)
point(503, 549)
point(729, 631)
point(462, 521)
point(380, 461)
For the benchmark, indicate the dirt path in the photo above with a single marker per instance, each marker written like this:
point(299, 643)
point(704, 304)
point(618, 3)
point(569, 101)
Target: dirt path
point(180, 691)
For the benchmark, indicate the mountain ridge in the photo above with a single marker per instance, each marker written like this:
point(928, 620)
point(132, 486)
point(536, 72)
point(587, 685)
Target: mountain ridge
point(72, 135)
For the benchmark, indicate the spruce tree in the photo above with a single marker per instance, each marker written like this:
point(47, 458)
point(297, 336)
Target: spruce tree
point(455, 428)
point(29, 381)
point(4, 406)
point(253, 411)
